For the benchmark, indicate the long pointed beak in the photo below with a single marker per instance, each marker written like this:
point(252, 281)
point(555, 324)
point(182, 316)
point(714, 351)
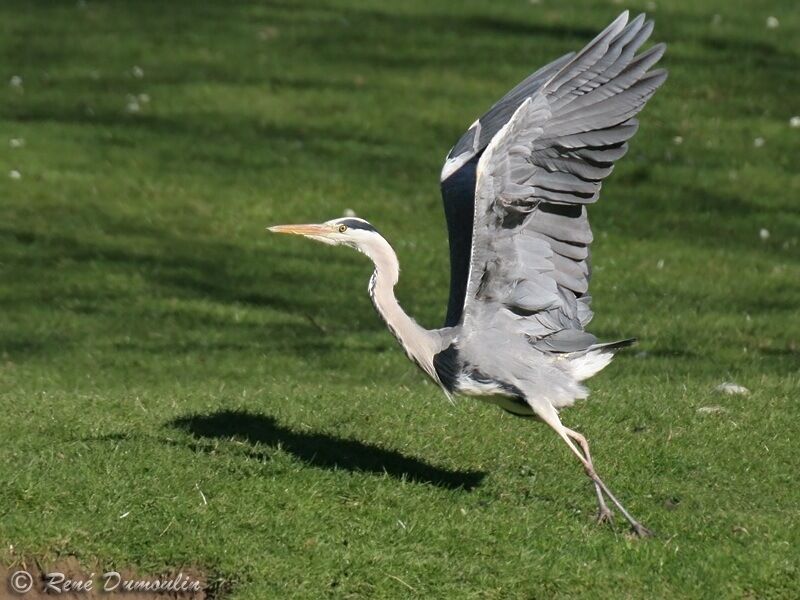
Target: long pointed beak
point(309, 229)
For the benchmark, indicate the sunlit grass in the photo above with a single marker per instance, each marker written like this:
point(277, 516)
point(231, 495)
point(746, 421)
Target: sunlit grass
point(155, 343)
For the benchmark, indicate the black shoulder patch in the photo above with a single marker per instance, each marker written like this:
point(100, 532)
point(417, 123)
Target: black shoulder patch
point(447, 365)
point(356, 224)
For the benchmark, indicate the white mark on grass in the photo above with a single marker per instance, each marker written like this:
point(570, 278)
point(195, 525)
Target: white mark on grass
point(759, 142)
point(137, 71)
point(716, 20)
point(660, 263)
point(772, 22)
point(144, 98)
point(124, 515)
point(763, 233)
point(16, 142)
point(15, 81)
point(132, 106)
point(396, 578)
point(794, 122)
point(403, 525)
point(732, 389)
point(202, 495)
point(15, 175)
point(163, 531)
point(349, 212)
point(708, 410)
point(677, 140)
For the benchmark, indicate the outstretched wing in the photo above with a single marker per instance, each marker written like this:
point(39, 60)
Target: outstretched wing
point(458, 179)
point(530, 234)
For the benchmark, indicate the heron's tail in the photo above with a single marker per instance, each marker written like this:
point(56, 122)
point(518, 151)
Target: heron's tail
point(614, 346)
point(595, 358)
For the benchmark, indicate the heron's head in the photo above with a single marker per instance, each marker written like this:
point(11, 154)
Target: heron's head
point(349, 231)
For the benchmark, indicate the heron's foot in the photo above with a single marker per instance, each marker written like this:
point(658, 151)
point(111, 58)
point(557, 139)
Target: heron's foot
point(604, 515)
point(641, 531)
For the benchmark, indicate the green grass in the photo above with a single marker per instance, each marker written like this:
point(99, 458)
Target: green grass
point(155, 343)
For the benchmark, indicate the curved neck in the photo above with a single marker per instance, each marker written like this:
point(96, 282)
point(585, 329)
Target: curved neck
point(420, 344)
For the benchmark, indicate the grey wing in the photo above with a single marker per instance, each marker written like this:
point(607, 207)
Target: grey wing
point(460, 169)
point(528, 270)
point(458, 180)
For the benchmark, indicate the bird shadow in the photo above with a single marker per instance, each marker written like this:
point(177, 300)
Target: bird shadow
point(321, 450)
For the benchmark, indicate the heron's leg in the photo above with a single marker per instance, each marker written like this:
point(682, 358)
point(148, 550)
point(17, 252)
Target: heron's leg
point(604, 513)
point(549, 415)
point(637, 527)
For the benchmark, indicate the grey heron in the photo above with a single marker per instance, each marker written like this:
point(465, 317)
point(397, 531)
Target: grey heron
point(516, 187)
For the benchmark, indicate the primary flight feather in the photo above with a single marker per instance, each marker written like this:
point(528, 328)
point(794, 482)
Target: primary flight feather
point(516, 187)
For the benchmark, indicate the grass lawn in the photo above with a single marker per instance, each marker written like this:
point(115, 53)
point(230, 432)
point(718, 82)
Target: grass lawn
point(178, 387)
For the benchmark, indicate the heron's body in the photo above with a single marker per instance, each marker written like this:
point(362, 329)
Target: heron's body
point(507, 372)
point(516, 187)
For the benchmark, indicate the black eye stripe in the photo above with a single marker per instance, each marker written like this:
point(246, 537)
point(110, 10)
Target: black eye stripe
point(356, 224)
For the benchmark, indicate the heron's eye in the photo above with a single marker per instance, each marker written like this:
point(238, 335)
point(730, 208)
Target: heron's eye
point(342, 228)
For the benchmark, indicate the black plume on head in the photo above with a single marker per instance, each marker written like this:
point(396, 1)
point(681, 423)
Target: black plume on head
point(358, 224)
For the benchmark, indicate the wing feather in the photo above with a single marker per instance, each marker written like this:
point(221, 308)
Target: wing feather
point(528, 268)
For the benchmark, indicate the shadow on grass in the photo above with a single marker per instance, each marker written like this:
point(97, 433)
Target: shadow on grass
point(322, 450)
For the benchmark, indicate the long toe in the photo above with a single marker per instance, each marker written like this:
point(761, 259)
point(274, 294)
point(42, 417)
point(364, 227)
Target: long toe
point(641, 531)
point(604, 515)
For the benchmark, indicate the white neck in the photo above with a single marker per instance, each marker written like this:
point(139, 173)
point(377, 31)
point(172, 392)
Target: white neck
point(420, 344)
